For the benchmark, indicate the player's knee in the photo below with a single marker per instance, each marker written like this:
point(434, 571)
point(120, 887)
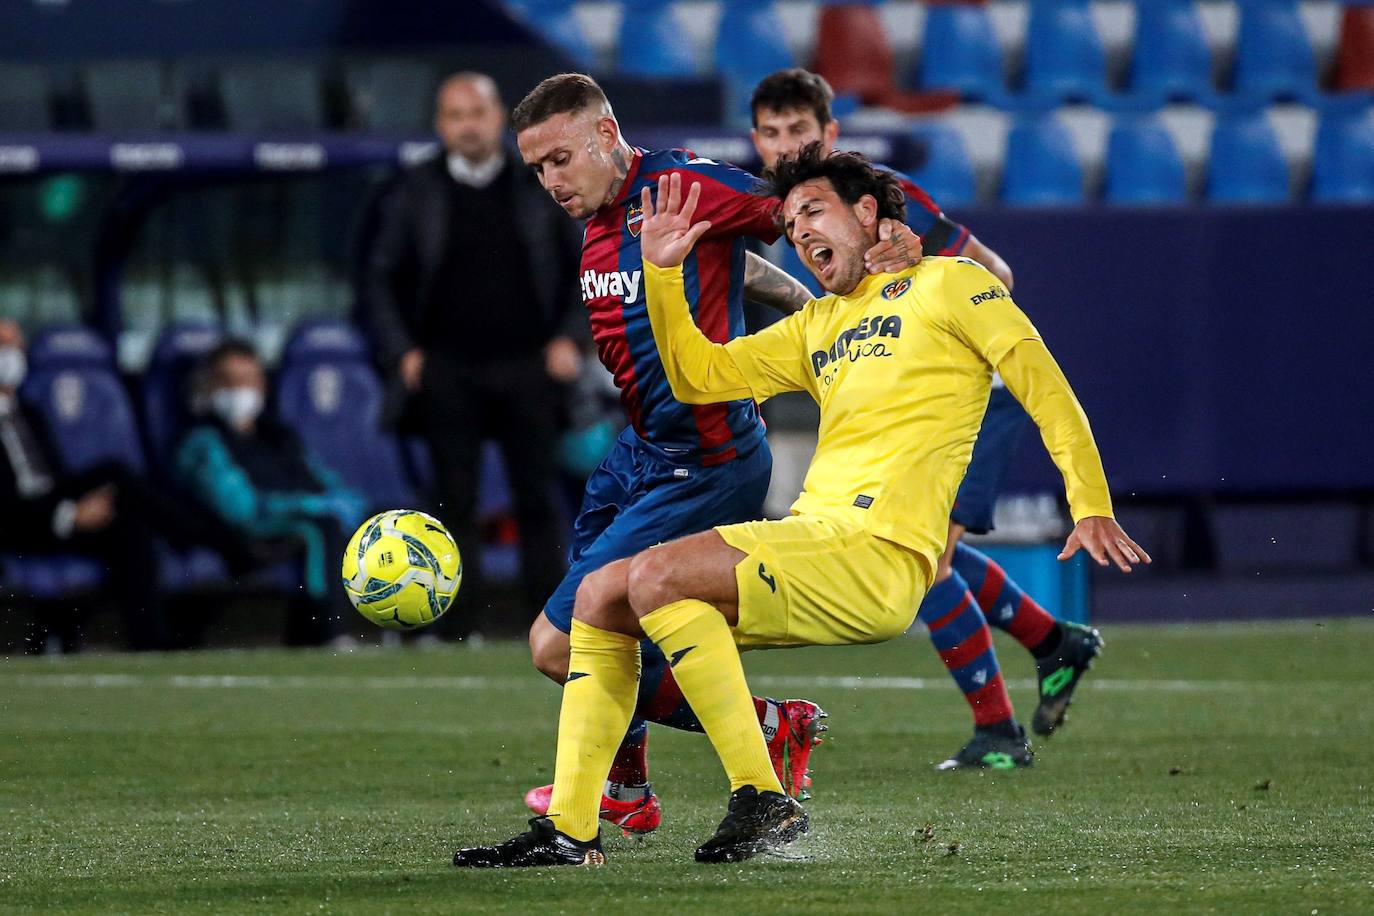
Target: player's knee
point(596, 596)
point(650, 582)
point(549, 651)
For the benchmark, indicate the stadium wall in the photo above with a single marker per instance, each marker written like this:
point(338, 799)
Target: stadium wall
point(1216, 350)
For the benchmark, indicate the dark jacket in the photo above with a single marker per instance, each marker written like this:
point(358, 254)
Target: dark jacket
point(404, 261)
point(29, 513)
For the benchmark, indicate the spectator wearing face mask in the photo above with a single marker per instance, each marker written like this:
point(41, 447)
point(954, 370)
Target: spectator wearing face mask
point(106, 511)
point(257, 475)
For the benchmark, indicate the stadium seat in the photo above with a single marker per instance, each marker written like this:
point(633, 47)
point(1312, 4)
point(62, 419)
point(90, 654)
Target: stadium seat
point(1042, 167)
point(87, 414)
point(1064, 54)
point(1143, 164)
point(1355, 54)
point(272, 96)
point(164, 391)
point(749, 46)
point(557, 22)
point(651, 43)
point(960, 51)
point(323, 339)
point(130, 96)
point(88, 417)
point(329, 393)
point(70, 346)
point(855, 56)
point(24, 105)
point(853, 52)
point(945, 171)
point(1246, 165)
point(1274, 58)
point(1343, 163)
point(1171, 56)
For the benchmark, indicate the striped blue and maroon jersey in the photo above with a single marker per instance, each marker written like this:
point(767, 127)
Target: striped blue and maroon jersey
point(939, 234)
point(613, 292)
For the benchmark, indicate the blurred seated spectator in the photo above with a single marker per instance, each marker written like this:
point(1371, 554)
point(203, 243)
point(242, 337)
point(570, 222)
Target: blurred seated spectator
point(255, 473)
point(106, 511)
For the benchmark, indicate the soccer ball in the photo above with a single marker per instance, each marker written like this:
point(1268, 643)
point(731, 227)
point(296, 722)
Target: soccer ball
point(401, 569)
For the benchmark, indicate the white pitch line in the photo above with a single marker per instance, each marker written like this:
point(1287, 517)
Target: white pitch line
point(479, 682)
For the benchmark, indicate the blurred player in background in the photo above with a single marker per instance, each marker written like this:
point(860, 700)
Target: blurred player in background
point(901, 366)
point(676, 469)
point(791, 108)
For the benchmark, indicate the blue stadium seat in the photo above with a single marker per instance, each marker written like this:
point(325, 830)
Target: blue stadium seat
point(165, 394)
point(66, 346)
point(87, 414)
point(1246, 165)
point(1042, 167)
point(749, 46)
point(1143, 164)
point(1171, 55)
point(1273, 55)
point(945, 171)
point(960, 51)
point(330, 394)
point(1064, 54)
point(324, 339)
point(651, 43)
point(1343, 163)
point(556, 21)
point(89, 419)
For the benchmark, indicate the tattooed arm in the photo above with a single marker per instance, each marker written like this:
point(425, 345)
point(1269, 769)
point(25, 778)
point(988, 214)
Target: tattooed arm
point(772, 286)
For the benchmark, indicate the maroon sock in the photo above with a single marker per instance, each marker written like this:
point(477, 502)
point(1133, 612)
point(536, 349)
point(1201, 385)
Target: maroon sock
point(631, 764)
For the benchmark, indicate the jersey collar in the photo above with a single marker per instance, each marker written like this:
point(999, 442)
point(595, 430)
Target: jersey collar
point(867, 284)
point(630, 177)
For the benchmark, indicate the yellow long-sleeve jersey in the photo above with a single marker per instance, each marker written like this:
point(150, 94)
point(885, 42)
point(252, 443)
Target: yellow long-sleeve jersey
point(901, 368)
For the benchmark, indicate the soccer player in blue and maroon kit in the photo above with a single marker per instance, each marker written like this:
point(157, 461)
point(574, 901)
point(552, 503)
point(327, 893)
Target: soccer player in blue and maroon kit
point(791, 108)
point(676, 469)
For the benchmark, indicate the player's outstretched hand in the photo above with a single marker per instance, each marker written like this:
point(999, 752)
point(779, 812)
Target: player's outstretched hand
point(668, 233)
point(898, 248)
point(1105, 542)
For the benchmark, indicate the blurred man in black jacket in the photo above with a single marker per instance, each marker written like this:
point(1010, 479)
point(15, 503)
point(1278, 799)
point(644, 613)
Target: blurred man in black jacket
point(472, 296)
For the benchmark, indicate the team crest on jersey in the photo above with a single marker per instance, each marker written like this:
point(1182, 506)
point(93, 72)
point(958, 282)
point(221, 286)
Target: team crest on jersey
point(634, 219)
point(896, 288)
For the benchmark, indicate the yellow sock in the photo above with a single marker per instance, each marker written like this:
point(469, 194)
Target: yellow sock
point(598, 700)
point(706, 665)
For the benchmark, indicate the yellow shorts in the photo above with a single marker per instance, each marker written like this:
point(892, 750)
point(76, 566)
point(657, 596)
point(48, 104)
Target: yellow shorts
point(815, 581)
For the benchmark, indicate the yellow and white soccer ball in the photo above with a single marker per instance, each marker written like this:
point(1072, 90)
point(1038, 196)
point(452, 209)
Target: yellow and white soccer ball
point(401, 569)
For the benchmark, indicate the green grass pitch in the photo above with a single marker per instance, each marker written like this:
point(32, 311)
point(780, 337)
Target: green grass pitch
point(1217, 768)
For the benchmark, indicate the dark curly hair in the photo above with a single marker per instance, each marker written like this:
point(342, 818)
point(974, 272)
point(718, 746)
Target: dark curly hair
point(852, 176)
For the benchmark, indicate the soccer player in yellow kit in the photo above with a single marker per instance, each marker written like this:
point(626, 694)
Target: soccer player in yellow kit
point(901, 366)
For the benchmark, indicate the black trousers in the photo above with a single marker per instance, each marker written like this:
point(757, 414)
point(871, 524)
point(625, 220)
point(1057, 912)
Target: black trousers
point(514, 403)
point(126, 547)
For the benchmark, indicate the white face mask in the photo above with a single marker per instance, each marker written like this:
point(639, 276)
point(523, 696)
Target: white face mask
point(13, 367)
point(237, 406)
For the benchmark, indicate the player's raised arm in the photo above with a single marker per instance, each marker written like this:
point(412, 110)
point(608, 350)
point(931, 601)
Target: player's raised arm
point(699, 370)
